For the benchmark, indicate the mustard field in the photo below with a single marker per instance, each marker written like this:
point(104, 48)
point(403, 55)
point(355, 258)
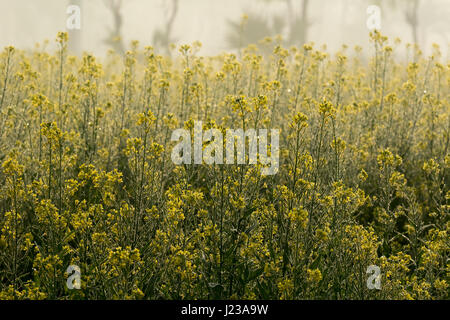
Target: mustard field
point(93, 206)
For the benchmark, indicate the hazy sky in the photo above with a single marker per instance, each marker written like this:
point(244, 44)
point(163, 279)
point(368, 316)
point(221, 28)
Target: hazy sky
point(25, 22)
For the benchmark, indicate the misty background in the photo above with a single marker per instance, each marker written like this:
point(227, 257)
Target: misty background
point(218, 24)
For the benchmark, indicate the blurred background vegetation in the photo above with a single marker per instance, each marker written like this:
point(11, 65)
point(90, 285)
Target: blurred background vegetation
point(113, 24)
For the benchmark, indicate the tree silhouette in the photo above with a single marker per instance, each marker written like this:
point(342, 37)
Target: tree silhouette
point(162, 37)
point(255, 28)
point(114, 39)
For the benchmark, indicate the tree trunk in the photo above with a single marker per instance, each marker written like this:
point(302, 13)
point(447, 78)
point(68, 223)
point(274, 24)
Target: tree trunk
point(170, 22)
point(412, 19)
point(290, 20)
point(115, 38)
point(305, 22)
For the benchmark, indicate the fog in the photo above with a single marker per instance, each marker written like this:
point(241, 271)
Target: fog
point(159, 22)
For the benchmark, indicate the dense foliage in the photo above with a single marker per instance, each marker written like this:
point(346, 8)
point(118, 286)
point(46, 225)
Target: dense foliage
point(87, 179)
